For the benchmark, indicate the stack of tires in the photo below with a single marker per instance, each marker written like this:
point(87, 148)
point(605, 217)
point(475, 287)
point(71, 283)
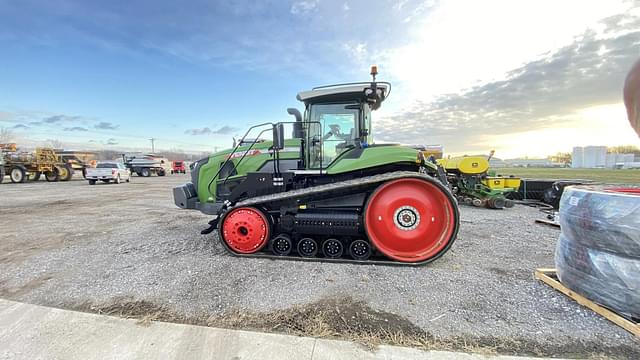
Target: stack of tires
point(598, 253)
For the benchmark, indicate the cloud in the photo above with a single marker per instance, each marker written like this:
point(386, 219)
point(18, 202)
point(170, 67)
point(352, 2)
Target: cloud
point(19, 126)
point(76, 128)
point(294, 36)
point(202, 131)
point(541, 94)
point(104, 125)
point(60, 118)
point(111, 141)
point(224, 130)
point(303, 7)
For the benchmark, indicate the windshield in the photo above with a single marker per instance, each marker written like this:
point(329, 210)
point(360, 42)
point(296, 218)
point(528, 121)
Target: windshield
point(333, 129)
point(107, 166)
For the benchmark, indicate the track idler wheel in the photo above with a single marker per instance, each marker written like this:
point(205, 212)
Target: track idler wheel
point(281, 245)
point(307, 247)
point(360, 250)
point(411, 220)
point(245, 230)
point(332, 248)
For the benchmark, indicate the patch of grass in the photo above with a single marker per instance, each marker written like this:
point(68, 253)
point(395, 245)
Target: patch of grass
point(346, 319)
point(613, 176)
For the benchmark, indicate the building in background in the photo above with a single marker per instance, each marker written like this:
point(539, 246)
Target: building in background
point(597, 157)
point(576, 157)
point(526, 162)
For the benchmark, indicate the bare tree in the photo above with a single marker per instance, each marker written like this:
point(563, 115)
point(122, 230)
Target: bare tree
point(624, 149)
point(6, 135)
point(55, 143)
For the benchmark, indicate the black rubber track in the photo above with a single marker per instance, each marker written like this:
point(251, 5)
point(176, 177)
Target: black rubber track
point(357, 184)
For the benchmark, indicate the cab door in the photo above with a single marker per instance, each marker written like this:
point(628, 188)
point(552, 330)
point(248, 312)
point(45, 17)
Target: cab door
point(332, 129)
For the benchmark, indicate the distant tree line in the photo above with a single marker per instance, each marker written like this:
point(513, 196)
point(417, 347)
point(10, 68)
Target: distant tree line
point(624, 149)
point(174, 154)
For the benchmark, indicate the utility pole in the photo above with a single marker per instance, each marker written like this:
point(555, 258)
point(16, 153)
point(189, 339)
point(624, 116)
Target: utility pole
point(153, 147)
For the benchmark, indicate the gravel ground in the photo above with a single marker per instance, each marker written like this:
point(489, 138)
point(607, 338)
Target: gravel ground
point(71, 245)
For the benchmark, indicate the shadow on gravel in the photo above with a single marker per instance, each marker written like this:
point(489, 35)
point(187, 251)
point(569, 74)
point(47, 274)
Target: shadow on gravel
point(346, 319)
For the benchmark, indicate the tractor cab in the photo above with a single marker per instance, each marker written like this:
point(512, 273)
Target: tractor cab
point(338, 118)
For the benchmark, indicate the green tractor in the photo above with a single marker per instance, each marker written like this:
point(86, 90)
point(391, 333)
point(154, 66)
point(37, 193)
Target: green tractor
point(328, 193)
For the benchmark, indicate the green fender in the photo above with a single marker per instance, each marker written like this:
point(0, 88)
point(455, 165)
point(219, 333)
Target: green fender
point(374, 156)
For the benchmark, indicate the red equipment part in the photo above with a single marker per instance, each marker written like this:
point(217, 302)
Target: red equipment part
point(178, 167)
point(410, 220)
point(245, 230)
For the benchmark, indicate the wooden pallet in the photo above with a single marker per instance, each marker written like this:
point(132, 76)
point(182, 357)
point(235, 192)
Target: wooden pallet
point(549, 277)
point(548, 222)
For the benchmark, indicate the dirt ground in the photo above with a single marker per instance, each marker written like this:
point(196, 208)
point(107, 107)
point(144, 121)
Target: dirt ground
point(126, 250)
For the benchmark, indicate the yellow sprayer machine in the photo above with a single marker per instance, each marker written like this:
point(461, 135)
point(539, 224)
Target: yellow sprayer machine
point(22, 166)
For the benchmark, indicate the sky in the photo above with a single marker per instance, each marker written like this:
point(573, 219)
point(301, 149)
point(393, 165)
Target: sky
point(523, 77)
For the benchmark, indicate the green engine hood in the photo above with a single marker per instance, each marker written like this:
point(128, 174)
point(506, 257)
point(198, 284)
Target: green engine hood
point(375, 155)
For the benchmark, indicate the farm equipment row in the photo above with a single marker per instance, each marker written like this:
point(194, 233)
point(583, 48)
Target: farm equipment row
point(473, 184)
point(59, 165)
point(27, 166)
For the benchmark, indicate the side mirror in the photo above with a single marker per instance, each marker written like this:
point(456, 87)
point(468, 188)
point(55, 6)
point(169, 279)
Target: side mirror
point(278, 136)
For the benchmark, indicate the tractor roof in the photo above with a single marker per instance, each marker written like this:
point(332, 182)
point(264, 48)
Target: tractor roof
point(342, 92)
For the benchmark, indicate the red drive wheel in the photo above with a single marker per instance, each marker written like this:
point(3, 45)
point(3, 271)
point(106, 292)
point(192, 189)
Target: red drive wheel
point(245, 230)
point(411, 220)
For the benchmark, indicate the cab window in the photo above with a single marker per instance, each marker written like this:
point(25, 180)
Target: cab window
point(334, 132)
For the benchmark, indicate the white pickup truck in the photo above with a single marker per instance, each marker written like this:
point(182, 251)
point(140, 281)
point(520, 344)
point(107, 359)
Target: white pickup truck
point(107, 172)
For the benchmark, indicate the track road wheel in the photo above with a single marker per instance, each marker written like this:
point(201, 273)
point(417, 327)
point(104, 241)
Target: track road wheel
point(411, 220)
point(332, 248)
point(360, 250)
point(307, 247)
point(145, 172)
point(1, 173)
point(18, 174)
point(245, 230)
point(281, 245)
point(51, 176)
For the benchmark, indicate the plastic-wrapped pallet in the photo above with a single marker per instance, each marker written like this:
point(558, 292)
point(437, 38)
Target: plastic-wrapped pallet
point(598, 253)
